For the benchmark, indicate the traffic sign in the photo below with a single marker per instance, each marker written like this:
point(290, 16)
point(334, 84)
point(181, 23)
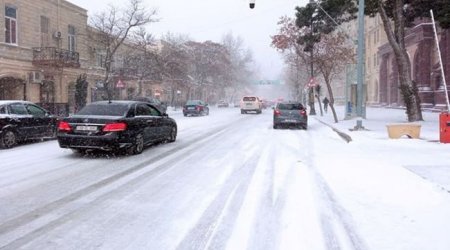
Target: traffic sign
point(120, 84)
point(312, 82)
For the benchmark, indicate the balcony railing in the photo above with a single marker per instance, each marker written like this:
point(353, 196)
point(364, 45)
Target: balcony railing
point(54, 57)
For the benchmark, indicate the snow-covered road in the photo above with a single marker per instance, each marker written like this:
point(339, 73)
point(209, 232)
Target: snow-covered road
point(230, 181)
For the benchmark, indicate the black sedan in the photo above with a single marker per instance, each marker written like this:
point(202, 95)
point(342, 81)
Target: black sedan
point(23, 120)
point(154, 102)
point(195, 107)
point(126, 126)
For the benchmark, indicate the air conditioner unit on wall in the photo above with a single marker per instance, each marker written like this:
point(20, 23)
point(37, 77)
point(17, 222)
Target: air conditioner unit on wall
point(57, 34)
point(35, 77)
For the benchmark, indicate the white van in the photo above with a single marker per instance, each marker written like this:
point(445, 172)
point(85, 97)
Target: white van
point(250, 104)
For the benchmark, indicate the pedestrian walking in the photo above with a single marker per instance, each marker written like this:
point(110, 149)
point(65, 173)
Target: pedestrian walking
point(325, 104)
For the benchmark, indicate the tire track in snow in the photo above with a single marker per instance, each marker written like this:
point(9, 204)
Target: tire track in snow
point(217, 223)
point(218, 219)
point(335, 214)
point(266, 229)
point(18, 222)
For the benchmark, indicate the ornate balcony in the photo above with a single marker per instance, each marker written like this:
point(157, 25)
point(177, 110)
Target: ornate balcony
point(54, 57)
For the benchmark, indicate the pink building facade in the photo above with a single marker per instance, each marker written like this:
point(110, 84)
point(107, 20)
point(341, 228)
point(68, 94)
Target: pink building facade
point(426, 71)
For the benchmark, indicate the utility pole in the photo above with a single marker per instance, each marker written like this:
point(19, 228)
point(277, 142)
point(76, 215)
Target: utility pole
point(360, 109)
point(311, 47)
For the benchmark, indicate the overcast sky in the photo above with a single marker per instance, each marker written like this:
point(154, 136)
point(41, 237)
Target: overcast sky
point(210, 19)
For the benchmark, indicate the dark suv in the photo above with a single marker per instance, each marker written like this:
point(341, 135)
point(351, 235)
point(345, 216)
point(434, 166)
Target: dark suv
point(22, 120)
point(290, 114)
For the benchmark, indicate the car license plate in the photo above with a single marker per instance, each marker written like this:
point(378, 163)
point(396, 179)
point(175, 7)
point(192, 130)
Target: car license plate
point(248, 104)
point(191, 108)
point(87, 128)
point(291, 120)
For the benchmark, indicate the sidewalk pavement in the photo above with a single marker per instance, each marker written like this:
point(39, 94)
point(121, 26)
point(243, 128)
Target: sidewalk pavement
point(426, 156)
point(377, 119)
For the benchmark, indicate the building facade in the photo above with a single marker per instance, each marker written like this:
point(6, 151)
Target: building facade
point(424, 58)
point(40, 50)
point(46, 45)
point(375, 37)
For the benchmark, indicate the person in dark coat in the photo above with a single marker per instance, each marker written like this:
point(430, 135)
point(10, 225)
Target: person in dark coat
point(325, 104)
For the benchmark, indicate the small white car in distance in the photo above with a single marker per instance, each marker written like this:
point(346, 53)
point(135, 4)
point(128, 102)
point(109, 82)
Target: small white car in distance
point(251, 104)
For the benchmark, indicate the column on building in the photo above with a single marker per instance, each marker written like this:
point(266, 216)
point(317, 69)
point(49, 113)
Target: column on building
point(440, 98)
point(393, 94)
point(384, 79)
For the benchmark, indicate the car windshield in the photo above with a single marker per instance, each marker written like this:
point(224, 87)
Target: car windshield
point(290, 106)
point(249, 99)
point(112, 109)
point(193, 102)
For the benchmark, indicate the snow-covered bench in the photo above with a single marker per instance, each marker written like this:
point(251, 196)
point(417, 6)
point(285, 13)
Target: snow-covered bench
point(400, 129)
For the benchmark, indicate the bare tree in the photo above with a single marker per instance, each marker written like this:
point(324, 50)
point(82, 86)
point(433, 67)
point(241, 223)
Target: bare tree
point(286, 41)
point(174, 62)
point(143, 59)
point(211, 66)
point(114, 26)
point(240, 72)
point(332, 54)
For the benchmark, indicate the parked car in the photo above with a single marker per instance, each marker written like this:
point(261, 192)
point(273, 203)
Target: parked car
point(222, 104)
point(153, 101)
point(251, 104)
point(23, 120)
point(195, 107)
point(290, 114)
point(126, 126)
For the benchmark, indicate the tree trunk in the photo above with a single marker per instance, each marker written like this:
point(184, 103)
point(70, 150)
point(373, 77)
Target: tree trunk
point(320, 104)
point(330, 94)
point(396, 40)
point(312, 110)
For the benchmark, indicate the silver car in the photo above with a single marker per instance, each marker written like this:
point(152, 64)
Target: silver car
point(290, 114)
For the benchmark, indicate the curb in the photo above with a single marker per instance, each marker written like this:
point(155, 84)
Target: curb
point(343, 135)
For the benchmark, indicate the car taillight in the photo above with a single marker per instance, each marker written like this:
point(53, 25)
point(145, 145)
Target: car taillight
point(303, 112)
point(276, 112)
point(198, 107)
point(114, 127)
point(64, 126)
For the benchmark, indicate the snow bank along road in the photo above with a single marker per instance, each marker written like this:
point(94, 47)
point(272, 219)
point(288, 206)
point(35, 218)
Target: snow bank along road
point(229, 182)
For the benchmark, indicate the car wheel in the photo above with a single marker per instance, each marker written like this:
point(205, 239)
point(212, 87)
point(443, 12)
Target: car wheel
point(275, 126)
point(242, 111)
point(207, 112)
point(138, 145)
point(8, 140)
point(173, 134)
point(185, 114)
point(78, 151)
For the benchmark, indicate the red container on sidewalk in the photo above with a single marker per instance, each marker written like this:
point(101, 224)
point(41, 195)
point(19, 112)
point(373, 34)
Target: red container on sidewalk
point(444, 127)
